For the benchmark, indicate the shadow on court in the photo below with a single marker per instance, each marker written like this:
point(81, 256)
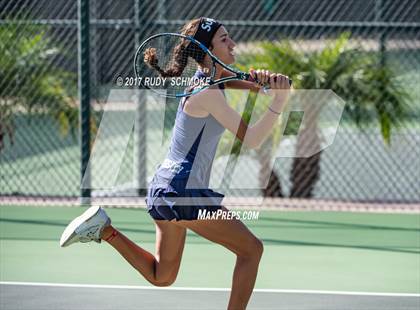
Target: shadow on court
point(34, 297)
point(336, 226)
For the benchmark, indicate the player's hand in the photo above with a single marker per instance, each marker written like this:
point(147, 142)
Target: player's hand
point(264, 78)
point(279, 81)
point(280, 88)
point(261, 77)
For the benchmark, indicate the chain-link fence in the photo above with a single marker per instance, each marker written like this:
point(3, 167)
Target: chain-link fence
point(375, 155)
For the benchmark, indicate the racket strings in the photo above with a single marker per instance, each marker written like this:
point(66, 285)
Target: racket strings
point(169, 59)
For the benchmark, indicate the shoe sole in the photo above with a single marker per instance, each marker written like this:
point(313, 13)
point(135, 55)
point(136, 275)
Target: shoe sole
point(69, 233)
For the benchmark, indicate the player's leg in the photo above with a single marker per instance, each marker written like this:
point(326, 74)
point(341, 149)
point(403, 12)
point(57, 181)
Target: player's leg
point(162, 268)
point(235, 236)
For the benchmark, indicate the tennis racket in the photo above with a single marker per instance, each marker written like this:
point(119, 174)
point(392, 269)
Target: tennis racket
point(166, 63)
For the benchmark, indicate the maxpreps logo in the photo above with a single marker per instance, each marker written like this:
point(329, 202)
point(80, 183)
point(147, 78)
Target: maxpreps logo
point(207, 24)
point(319, 108)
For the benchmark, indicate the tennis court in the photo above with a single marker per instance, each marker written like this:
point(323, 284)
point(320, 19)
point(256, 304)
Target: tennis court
point(312, 260)
point(49, 296)
point(340, 228)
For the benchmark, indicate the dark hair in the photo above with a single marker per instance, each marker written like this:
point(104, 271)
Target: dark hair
point(180, 53)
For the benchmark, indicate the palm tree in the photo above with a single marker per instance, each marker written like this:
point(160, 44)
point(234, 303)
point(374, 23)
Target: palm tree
point(263, 154)
point(370, 91)
point(29, 83)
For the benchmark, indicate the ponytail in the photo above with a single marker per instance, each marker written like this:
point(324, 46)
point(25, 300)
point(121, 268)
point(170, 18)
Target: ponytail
point(180, 53)
point(179, 62)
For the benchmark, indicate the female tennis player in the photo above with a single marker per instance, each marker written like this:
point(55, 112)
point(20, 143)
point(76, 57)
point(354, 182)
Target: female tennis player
point(201, 119)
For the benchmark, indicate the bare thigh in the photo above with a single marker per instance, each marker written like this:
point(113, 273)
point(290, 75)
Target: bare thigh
point(170, 241)
point(233, 234)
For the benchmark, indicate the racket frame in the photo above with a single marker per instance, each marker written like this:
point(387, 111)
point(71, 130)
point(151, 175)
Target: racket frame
point(239, 75)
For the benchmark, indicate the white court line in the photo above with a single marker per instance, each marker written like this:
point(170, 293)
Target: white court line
point(133, 287)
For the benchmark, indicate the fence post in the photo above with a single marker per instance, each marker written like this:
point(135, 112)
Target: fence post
point(382, 36)
point(140, 147)
point(84, 97)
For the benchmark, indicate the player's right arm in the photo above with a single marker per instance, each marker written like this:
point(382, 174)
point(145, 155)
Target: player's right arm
point(213, 101)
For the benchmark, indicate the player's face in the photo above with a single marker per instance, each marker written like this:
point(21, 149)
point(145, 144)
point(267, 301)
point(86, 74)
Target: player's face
point(223, 46)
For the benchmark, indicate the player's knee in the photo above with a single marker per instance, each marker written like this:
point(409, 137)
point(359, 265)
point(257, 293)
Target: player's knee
point(167, 274)
point(164, 282)
point(258, 248)
point(253, 249)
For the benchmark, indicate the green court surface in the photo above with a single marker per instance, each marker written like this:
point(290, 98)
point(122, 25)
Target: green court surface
point(334, 251)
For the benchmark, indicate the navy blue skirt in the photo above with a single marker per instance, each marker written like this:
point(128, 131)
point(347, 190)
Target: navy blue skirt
point(169, 199)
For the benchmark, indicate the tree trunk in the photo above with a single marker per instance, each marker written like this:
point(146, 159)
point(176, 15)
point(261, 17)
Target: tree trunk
point(306, 170)
point(273, 187)
point(304, 176)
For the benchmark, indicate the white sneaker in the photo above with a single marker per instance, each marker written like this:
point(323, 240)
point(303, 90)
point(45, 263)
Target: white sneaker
point(87, 227)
